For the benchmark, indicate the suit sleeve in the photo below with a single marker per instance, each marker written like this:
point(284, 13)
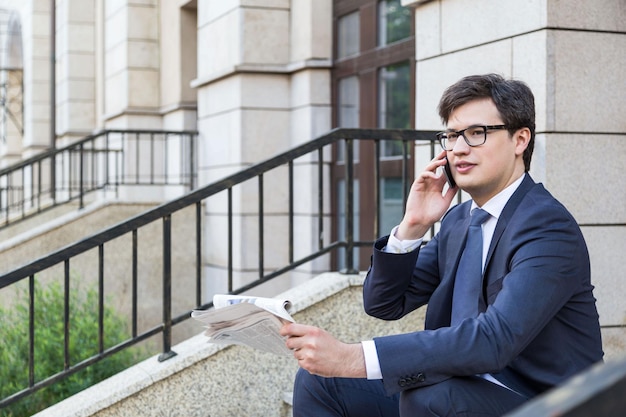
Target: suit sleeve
point(410, 287)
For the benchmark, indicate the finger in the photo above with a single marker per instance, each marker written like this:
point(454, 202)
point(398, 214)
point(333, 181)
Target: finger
point(285, 329)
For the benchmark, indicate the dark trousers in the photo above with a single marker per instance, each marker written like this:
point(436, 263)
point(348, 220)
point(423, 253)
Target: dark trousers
point(315, 396)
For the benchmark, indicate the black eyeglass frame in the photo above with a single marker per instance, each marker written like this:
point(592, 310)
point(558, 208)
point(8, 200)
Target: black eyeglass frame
point(442, 136)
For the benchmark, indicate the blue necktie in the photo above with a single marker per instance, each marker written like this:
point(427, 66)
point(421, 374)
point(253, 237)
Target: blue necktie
point(467, 285)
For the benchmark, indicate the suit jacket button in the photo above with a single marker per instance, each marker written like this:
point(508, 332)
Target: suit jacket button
point(402, 382)
point(421, 377)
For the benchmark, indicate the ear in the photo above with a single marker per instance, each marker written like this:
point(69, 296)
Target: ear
point(522, 139)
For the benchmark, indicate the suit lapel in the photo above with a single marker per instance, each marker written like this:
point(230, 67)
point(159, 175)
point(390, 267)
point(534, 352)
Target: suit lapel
point(507, 214)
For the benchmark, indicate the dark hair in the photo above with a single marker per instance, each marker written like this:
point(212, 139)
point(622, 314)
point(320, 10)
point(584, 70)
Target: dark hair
point(513, 99)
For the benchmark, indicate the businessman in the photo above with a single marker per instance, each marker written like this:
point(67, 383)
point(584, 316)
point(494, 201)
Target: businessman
point(510, 312)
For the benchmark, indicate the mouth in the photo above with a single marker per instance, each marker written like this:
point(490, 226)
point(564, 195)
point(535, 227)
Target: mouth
point(463, 167)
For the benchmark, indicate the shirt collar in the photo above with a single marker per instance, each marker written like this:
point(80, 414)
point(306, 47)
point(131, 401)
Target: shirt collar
point(496, 204)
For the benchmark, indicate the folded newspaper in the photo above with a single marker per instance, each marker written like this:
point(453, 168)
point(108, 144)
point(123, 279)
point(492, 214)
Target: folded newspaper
point(249, 321)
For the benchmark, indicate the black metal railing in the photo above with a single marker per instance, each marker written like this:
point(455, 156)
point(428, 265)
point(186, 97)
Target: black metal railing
point(217, 200)
point(103, 161)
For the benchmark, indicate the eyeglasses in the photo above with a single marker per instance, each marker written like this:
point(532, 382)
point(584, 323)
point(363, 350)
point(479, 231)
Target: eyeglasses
point(473, 136)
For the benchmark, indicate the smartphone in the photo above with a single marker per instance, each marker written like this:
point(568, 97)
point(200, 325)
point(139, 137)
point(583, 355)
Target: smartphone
point(448, 172)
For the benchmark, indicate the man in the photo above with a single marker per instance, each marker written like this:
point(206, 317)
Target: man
point(529, 321)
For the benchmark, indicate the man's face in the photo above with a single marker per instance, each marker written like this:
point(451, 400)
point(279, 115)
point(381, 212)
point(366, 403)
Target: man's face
point(483, 171)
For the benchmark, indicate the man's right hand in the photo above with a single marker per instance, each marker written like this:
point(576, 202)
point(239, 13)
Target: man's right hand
point(426, 203)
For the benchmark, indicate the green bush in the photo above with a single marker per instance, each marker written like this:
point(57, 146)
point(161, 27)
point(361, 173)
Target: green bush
point(49, 346)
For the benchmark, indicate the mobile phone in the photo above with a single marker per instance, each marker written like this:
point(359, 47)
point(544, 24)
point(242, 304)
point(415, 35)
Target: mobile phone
point(448, 172)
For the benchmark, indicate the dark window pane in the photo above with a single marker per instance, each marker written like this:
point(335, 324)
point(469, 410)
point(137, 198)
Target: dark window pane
point(394, 22)
point(348, 36)
point(394, 109)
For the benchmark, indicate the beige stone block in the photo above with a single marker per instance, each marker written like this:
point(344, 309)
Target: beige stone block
point(40, 94)
point(310, 122)
point(220, 143)
point(116, 28)
point(268, 91)
point(40, 48)
point(609, 15)
point(538, 164)
point(81, 11)
point(143, 21)
point(584, 171)
point(463, 27)
point(307, 190)
point(219, 45)
point(143, 2)
point(530, 64)
point(265, 133)
point(81, 66)
point(37, 133)
point(78, 38)
point(265, 36)
point(213, 10)
point(277, 4)
point(311, 29)
point(428, 30)
point(435, 75)
point(143, 88)
point(116, 59)
point(116, 93)
point(181, 119)
point(209, 11)
point(37, 111)
point(135, 121)
point(310, 87)
point(81, 89)
point(219, 97)
point(40, 26)
point(322, 40)
point(606, 251)
point(143, 54)
point(62, 117)
point(112, 7)
point(588, 97)
point(80, 116)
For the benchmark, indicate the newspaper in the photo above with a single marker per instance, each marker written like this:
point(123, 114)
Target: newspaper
point(248, 321)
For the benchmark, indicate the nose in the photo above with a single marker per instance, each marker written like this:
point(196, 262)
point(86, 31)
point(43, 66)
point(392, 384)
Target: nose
point(461, 145)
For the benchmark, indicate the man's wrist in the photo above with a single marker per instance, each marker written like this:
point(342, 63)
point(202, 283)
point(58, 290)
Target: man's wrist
point(394, 245)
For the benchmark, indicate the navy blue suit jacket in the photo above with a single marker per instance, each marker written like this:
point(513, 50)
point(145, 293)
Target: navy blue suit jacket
point(539, 324)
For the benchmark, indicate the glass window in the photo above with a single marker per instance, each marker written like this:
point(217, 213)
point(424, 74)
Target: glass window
point(348, 108)
point(394, 22)
point(348, 102)
point(394, 95)
point(392, 207)
point(341, 220)
point(348, 36)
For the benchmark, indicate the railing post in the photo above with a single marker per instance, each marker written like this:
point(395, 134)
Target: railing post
point(81, 176)
point(167, 290)
point(350, 268)
point(192, 161)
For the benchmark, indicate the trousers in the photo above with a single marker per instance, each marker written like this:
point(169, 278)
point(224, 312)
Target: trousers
point(315, 396)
